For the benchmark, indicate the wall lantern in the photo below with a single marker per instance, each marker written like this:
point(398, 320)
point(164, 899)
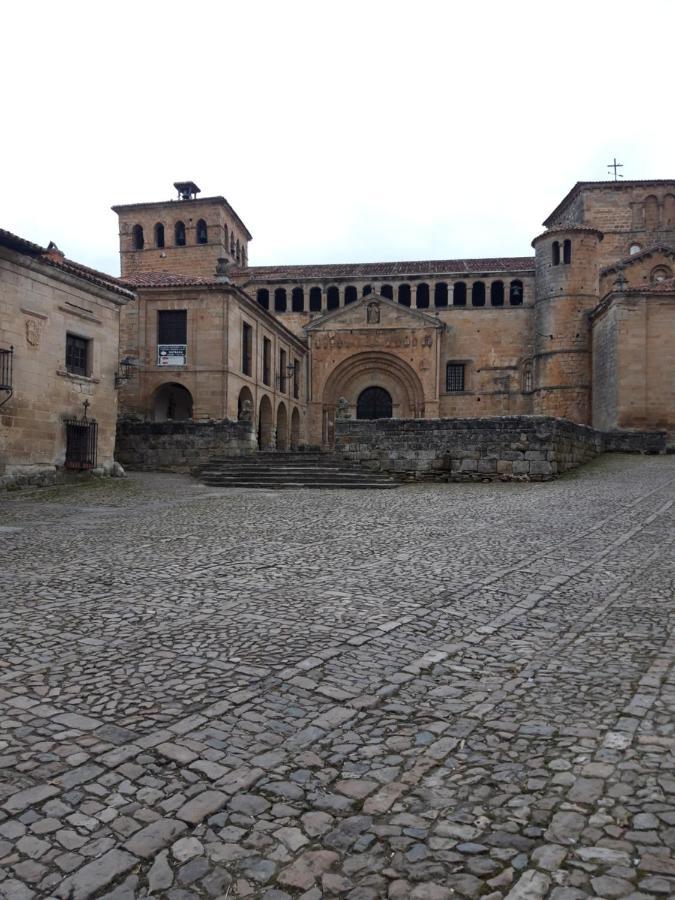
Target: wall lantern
point(126, 370)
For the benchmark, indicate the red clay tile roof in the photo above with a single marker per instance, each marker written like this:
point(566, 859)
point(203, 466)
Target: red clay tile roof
point(56, 259)
point(169, 279)
point(659, 287)
point(380, 270)
point(583, 185)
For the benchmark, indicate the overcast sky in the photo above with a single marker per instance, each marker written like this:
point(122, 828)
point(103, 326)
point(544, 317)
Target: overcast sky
point(340, 131)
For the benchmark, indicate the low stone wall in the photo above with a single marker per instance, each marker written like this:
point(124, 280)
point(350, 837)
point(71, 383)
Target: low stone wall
point(180, 446)
point(528, 448)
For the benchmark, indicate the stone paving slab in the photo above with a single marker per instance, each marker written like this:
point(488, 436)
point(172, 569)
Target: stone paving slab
point(443, 691)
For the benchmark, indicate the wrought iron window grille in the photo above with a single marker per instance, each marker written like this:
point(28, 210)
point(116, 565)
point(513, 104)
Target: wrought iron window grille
point(81, 442)
point(6, 358)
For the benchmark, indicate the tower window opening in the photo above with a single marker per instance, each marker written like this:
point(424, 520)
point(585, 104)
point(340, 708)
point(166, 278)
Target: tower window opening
point(497, 293)
point(280, 300)
point(332, 298)
point(423, 296)
point(202, 232)
point(263, 297)
point(350, 294)
point(387, 291)
point(159, 235)
point(555, 253)
point(367, 289)
point(179, 233)
point(516, 292)
point(137, 240)
point(404, 295)
point(567, 252)
point(459, 294)
point(297, 299)
point(440, 294)
point(315, 299)
point(478, 294)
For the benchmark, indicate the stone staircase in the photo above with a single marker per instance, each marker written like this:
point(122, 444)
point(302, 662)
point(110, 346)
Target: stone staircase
point(277, 470)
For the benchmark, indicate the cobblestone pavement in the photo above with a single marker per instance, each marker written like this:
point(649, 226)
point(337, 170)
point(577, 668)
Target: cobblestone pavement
point(439, 691)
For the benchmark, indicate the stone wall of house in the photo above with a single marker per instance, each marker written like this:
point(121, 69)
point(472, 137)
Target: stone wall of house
point(40, 306)
point(535, 448)
point(180, 446)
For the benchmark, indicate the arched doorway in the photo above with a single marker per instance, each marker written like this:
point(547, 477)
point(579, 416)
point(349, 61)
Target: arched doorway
point(282, 428)
point(265, 425)
point(374, 403)
point(245, 406)
point(172, 402)
point(295, 429)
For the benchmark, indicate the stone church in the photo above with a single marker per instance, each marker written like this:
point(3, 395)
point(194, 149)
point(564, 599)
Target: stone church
point(584, 329)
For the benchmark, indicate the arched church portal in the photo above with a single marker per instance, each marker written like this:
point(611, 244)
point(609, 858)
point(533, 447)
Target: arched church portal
point(375, 369)
point(374, 403)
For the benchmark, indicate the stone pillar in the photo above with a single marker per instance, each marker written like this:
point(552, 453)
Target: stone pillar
point(451, 293)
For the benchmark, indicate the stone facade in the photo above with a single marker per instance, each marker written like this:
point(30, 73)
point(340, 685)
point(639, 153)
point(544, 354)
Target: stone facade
point(457, 338)
point(45, 300)
point(531, 448)
point(180, 446)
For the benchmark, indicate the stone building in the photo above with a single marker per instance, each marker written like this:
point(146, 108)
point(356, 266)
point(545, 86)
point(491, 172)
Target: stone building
point(584, 329)
point(59, 363)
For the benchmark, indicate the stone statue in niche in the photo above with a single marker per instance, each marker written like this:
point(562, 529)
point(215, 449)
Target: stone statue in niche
point(246, 412)
point(342, 411)
point(373, 313)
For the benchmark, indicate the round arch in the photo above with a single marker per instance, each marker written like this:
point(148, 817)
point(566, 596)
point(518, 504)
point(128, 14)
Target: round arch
point(171, 402)
point(282, 427)
point(295, 429)
point(364, 370)
point(265, 425)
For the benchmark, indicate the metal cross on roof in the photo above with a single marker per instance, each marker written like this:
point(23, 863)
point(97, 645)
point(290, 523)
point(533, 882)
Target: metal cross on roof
point(615, 165)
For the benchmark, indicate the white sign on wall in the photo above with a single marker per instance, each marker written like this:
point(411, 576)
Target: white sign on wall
point(171, 354)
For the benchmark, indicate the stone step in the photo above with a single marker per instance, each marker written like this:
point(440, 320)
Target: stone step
point(286, 485)
point(276, 470)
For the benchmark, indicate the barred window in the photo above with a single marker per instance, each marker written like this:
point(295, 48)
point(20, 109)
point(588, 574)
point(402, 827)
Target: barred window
point(172, 326)
point(454, 377)
point(77, 355)
point(247, 349)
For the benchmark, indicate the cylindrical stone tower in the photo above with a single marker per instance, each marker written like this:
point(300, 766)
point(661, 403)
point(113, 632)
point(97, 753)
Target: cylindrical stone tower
point(567, 285)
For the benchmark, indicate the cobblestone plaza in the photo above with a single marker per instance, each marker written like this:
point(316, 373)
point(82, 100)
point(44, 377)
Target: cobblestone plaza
point(431, 692)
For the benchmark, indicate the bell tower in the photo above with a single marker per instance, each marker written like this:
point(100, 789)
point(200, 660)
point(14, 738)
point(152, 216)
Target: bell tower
point(183, 236)
point(567, 289)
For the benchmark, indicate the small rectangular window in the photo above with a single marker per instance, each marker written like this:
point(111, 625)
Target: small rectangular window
point(454, 377)
point(77, 355)
point(267, 361)
point(247, 349)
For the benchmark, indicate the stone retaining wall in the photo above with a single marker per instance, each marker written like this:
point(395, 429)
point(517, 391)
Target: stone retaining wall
point(180, 446)
point(535, 448)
